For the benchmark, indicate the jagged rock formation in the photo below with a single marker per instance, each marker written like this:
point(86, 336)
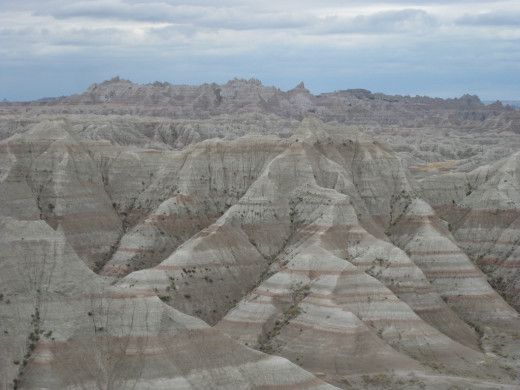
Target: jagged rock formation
point(461, 133)
point(120, 96)
point(314, 243)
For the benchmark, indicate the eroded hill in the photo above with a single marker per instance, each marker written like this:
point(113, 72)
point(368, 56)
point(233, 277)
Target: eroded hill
point(254, 251)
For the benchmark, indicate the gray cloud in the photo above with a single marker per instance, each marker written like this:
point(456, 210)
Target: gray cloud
point(207, 16)
point(490, 19)
point(407, 20)
point(246, 18)
point(116, 10)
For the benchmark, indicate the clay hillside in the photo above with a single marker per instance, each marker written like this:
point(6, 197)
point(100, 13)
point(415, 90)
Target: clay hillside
point(237, 236)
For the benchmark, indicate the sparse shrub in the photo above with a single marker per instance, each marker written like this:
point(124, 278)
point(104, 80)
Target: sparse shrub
point(164, 298)
point(293, 311)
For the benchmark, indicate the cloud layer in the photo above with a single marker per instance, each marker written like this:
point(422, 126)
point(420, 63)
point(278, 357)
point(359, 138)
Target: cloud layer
point(441, 48)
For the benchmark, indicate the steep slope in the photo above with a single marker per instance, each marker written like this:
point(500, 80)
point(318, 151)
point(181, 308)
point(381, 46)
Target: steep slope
point(189, 192)
point(62, 327)
point(299, 223)
point(482, 208)
point(48, 173)
point(448, 268)
point(319, 248)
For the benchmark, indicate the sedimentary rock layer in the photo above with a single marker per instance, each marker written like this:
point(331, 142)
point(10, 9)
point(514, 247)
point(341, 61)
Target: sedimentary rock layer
point(62, 326)
point(48, 173)
point(319, 247)
point(482, 209)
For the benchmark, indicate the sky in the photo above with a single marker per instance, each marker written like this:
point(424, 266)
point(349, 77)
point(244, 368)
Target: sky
point(441, 48)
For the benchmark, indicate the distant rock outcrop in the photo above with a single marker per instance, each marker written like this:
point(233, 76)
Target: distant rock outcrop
point(461, 132)
point(118, 96)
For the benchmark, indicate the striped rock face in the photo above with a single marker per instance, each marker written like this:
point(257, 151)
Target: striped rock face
point(65, 328)
point(188, 193)
point(262, 262)
point(483, 211)
point(48, 173)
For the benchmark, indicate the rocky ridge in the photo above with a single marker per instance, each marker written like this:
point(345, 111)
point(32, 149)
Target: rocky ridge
point(432, 135)
point(245, 96)
point(308, 249)
point(320, 248)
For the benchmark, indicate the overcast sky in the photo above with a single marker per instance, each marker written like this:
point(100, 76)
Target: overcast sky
point(441, 48)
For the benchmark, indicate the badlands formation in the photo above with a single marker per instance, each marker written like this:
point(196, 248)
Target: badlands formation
point(239, 237)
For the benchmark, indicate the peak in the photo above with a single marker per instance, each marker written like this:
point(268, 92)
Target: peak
point(300, 88)
point(311, 130)
point(237, 81)
point(471, 100)
point(116, 80)
point(496, 105)
point(112, 81)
